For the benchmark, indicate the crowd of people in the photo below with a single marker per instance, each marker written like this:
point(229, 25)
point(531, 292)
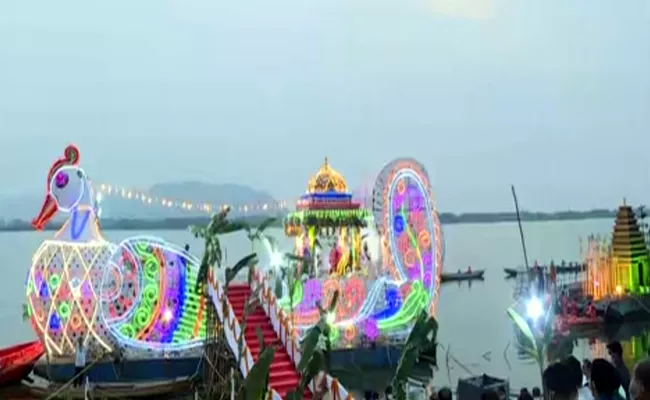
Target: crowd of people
point(598, 379)
point(569, 379)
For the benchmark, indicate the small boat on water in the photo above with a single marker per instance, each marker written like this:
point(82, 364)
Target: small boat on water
point(170, 389)
point(462, 276)
point(560, 269)
point(17, 362)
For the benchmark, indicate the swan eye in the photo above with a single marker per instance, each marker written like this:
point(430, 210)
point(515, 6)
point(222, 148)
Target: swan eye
point(80, 174)
point(61, 179)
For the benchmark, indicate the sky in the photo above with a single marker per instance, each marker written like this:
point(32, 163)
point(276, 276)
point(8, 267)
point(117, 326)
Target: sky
point(552, 96)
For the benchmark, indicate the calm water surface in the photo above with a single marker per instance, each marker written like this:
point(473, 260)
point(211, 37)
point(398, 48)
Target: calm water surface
point(473, 322)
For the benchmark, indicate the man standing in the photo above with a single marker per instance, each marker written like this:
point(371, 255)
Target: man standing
point(640, 386)
point(615, 351)
point(80, 362)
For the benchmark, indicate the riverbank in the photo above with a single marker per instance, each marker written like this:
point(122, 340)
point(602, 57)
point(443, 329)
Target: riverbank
point(17, 225)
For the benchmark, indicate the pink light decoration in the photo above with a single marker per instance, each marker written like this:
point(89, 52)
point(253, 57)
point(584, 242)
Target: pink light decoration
point(372, 329)
point(312, 295)
point(428, 278)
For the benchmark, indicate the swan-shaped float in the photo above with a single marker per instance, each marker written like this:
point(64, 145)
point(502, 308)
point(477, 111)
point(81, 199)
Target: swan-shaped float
point(385, 262)
point(139, 295)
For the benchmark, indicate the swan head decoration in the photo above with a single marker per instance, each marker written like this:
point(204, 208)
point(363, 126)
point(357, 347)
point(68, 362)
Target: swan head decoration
point(68, 191)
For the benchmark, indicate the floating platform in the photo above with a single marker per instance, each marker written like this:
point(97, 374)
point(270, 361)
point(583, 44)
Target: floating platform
point(628, 308)
point(128, 370)
point(41, 389)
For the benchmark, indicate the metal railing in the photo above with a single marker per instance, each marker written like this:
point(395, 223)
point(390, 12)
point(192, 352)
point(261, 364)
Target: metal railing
point(232, 329)
point(285, 331)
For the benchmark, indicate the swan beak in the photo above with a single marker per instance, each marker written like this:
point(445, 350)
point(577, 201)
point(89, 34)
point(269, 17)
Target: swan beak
point(48, 211)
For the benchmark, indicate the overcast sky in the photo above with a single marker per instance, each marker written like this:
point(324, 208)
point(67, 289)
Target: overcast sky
point(553, 95)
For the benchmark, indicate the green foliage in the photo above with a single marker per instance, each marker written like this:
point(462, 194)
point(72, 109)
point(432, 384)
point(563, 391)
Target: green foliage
point(327, 330)
point(255, 384)
point(258, 233)
point(313, 360)
point(278, 287)
point(246, 262)
point(534, 344)
point(26, 312)
point(422, 337)
point(308, 346)
point(213, 254)
point(260, 337)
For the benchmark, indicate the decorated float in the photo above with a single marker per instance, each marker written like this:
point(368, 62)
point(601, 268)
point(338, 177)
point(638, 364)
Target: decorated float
point(385, 262)
point(138, 295)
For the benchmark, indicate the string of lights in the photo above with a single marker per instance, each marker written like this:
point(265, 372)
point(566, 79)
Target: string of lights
point(110, 190)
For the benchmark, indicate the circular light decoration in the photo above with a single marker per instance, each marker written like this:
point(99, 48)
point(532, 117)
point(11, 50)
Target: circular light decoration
point(149, 298)
point(384, 305)
point(406, 218)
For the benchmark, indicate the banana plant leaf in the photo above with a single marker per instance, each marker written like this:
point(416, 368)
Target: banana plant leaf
point(422, 337)
point(246, 262)
point(265, 224)
point(316, 365)
point(260, 337)
point(254, 384)
point(309, 346)
point(278, 288)
point(530, 345)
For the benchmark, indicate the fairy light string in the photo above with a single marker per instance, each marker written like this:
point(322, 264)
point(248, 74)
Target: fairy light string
point(143, 197)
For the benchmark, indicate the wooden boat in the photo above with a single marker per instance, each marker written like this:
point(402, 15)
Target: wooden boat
point(462, 276)
point(160, 390)
point(511, 272)
point(566, 269)
point(17, 362)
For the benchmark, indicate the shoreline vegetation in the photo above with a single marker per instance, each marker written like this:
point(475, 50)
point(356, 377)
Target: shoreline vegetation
point(18, 225)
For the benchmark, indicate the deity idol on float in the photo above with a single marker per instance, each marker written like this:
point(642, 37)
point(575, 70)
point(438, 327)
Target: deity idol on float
point(385, 266)
point(139, 295)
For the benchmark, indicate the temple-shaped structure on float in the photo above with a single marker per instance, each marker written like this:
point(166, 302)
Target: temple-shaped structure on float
point(630, 260)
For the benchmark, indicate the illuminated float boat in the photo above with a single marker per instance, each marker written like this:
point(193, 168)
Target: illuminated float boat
point(383, 286)
point(138, 296)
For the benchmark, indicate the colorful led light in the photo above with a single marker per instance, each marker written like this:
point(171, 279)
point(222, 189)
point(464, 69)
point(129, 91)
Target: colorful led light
point(139, 294)
point(158, 306)
point(411, 240)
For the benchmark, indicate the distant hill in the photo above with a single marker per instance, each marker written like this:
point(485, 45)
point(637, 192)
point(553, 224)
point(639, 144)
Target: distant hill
point(26, 207)
point(183, 222)
point(228, 193)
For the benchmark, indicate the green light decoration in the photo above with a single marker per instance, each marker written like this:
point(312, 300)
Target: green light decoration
point(150, 294)
point(190, 315)
point(127, 330)
point(327, 218)
point(145, 309)
point(416, 301)
point(65, 310)
point(335, 334)
point(630, 259)
point(54, 281)
point(141, 318)
point(298, 295)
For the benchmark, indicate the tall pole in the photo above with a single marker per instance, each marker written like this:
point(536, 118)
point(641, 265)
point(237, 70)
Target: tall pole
point(521, 229)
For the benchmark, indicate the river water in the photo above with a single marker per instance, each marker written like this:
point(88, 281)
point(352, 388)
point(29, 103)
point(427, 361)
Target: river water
point(473, 322)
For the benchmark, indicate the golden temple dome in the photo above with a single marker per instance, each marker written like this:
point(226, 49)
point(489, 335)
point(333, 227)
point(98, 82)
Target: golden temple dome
point(327, 180)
